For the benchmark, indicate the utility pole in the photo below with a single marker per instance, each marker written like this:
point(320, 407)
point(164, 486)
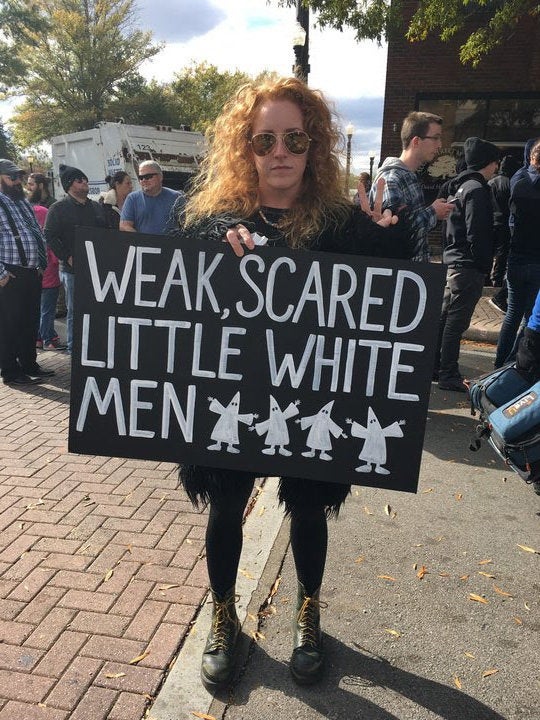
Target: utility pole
point(301, 42)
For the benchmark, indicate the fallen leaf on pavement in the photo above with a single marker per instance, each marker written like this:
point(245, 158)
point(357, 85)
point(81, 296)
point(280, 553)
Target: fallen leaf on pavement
point(115, 675)
point(256, 635)
point(486, 574)
point(168, 587)
point(470, 655)
point(529, 549)
point(423, 571)
point(359, 559)
point(458, 496)
point(393, 632)
point(427, 490)
point(501, 592)
point(388, 509)
point(518, 621)
point(203, 716)
point(246, 574)
point(464, 577)
point(367, 510)
point(140, 657)
point(487, 673)
point(387, 577)
point(485, 562)
point(108, 575)
point(457, 682)
point(32, 506)
point(478, 598)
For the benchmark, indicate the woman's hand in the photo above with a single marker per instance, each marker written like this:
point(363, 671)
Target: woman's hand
point(237, 237)
point(383, 218)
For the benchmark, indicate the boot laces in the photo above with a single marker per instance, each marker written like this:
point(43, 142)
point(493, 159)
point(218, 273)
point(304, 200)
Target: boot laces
point(223, 619)
point(308, 620)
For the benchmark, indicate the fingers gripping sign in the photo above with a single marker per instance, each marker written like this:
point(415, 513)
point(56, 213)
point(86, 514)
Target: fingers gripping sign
point(237, 237)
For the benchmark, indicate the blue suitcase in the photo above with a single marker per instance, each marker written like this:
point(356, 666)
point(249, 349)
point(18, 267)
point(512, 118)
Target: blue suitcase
point(515, 433)
point(510, 418)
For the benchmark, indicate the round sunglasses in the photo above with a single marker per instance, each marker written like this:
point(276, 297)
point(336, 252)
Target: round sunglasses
point(296, 142)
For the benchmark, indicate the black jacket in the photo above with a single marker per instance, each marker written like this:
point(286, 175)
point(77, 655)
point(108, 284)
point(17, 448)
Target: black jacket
point(469, 227)
point(62, 219)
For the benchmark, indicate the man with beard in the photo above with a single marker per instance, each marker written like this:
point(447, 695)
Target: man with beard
point(22, 259)
point(75, 209)
point(38, 189)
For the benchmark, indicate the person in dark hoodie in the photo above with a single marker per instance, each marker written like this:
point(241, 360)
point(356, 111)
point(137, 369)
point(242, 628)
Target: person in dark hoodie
point(63, 217)
point(500, 195)
point(468, 253)
point(523, 274)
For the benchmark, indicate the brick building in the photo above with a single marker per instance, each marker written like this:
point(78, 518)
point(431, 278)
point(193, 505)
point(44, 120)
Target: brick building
point(498, 101)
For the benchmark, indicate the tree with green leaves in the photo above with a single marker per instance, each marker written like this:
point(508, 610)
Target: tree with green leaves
point(79, 58)
point(199, 92)
point(7, 149)
point(487, 22)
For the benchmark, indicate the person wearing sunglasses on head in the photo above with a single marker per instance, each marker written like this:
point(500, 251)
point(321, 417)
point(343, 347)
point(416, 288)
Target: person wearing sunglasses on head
point(147, 210)
point(22, 260)
point(75, 209)
point(273, 168)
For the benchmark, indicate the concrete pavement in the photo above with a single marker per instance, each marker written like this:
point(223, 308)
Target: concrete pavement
point(102, 581)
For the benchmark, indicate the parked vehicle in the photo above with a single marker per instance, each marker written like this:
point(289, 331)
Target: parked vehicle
point(112, 146)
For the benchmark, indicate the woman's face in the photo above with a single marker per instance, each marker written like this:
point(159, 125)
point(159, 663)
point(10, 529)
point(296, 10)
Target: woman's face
point(31, 184)
point(126, 186)
point(280, 171)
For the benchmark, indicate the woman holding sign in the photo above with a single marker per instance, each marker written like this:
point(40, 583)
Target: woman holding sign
point(272, 172)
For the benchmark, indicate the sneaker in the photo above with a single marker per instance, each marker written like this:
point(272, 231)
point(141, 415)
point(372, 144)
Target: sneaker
point(22, 380)
point(55, 344)
point(40, 372)
point(454, 384)
point(499, 305)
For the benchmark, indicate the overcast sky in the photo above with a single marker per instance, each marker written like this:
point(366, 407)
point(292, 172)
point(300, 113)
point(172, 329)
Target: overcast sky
point(256, 35)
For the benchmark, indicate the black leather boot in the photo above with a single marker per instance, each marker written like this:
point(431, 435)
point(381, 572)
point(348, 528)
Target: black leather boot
point(218, 658)
point(307, 660)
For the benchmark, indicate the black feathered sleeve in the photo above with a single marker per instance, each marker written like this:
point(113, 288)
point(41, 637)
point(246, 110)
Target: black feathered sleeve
point(359, 235)
point(213, 228)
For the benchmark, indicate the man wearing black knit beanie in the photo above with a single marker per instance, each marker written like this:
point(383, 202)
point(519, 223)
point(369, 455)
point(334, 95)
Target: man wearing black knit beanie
point(62, 219)
point(468, 253)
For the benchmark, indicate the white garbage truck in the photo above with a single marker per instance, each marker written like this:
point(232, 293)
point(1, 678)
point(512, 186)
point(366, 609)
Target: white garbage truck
point(112, 146)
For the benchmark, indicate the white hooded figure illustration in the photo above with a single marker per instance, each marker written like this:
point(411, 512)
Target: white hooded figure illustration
point(226, 428)
point(277, 432)
point(322, 427)
point(374, 450)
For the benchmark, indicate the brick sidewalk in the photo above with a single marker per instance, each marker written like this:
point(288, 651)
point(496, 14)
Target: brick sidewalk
point(101, 561)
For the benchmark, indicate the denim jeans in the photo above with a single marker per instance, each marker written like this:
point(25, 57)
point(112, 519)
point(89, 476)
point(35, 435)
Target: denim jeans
point(523, 279)
point(69, 284)
point(462, 292)
point(49, 296)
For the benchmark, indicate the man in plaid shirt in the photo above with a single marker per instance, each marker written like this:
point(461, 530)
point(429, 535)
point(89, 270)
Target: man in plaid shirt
point(421, 140)
point(22, 260)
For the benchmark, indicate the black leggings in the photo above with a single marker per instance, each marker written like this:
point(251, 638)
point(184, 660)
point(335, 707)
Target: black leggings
point(309, 539)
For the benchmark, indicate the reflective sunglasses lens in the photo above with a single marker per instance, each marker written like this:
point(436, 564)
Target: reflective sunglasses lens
point(263, 143)
point(147, 176)
point(296, 142)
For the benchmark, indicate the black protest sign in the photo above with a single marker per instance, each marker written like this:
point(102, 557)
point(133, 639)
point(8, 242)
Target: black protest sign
point(312, 365)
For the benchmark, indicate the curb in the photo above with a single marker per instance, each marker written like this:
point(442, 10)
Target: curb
point(183, 693)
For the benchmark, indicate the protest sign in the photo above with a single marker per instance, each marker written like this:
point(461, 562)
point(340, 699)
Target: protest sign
point(294, 363)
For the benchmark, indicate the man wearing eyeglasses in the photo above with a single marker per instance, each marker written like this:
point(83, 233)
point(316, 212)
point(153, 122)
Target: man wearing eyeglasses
point(421, 140)
point(148, 210)
point(75, 209)
point(22, 260)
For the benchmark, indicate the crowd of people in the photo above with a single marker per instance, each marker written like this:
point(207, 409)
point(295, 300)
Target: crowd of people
point(37, 236)
point(273, 168)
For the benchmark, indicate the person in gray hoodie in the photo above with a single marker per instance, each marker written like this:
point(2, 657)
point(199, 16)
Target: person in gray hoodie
point(468, 254)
